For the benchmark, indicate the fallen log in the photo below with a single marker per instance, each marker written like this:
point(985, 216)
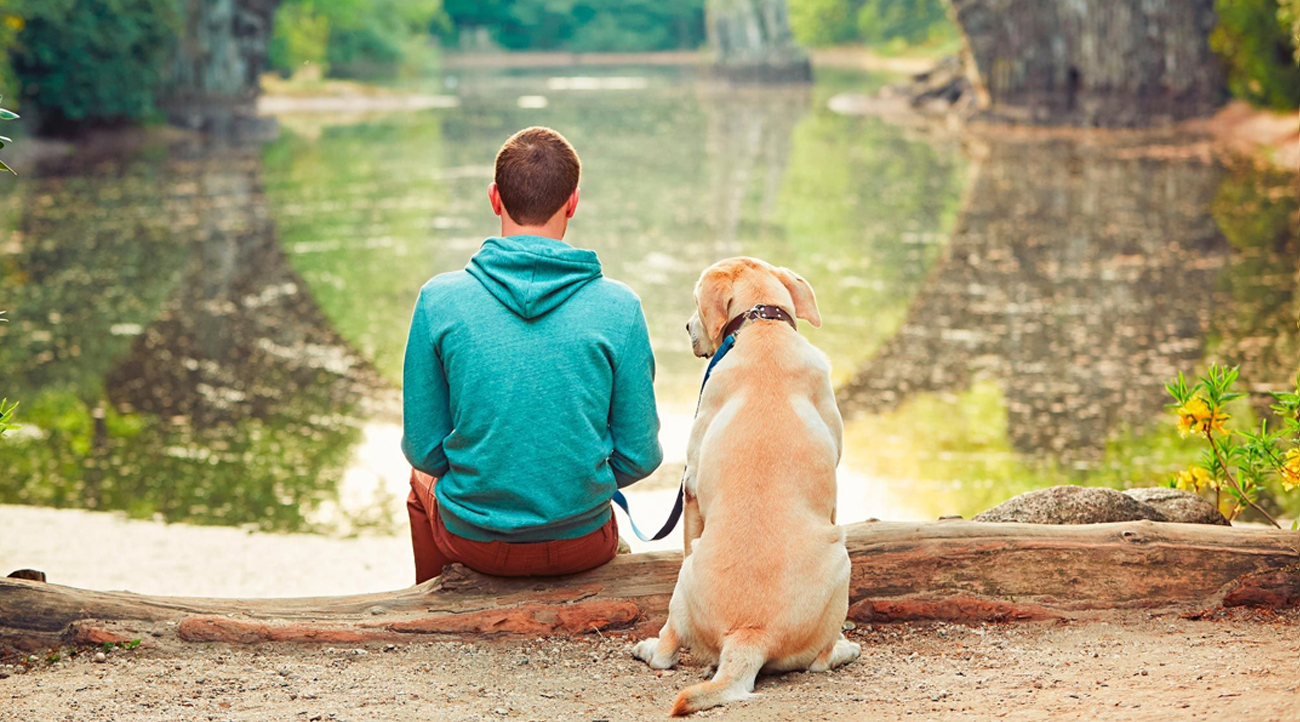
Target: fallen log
point(949, 570)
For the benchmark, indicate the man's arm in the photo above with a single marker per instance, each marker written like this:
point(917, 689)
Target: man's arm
point(426, 410)
point(633, 419)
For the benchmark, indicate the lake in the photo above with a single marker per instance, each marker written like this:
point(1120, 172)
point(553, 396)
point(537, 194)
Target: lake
point(213, 334)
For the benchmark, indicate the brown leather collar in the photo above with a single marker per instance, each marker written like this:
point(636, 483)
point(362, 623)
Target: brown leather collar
point(765, 311)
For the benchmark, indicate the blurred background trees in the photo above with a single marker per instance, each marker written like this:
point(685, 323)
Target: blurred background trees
point(578, 25)
point(891, 24)
point(84, 62)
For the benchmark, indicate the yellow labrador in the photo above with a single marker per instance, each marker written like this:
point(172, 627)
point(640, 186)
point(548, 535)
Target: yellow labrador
point(764, 585)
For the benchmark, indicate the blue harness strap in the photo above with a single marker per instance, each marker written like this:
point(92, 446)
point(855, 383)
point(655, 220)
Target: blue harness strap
point(676, 513)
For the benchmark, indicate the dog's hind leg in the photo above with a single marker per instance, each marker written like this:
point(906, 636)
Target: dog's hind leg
point(659, 652)
point(836, 655)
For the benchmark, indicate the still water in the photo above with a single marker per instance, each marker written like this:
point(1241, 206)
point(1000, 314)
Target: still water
point(214, 334)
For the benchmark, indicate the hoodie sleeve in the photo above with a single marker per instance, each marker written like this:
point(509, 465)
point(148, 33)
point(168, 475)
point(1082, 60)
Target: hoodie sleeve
point(633, 420)
point(426, 409)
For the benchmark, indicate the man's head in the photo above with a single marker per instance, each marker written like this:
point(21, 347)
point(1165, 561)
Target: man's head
point(536, 186)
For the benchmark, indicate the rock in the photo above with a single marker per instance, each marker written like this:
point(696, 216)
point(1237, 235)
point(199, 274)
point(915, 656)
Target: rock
point(623, 546)
point(101, 657)
point(34, 575)
point(1071, 505)
point(1179, 506)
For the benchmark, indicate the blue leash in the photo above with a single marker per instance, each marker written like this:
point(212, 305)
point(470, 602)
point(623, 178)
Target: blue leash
point(676, 513)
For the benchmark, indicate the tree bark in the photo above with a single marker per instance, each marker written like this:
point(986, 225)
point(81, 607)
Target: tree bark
point(1092, 62)
point(214, 79)
point(949, 570)
point(753, 42)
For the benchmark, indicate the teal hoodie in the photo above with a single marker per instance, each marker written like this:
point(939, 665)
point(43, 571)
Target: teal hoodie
point(528, 389)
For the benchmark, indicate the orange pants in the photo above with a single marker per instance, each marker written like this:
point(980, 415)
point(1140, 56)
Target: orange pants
point(435, 547)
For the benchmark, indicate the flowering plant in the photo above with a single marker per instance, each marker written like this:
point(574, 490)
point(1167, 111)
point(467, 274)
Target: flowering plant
point(1239, 463)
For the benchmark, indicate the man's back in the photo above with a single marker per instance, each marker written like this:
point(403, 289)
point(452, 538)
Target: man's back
point(528, 389)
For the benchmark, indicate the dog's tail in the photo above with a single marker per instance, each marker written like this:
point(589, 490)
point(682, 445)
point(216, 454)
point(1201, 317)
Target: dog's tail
point(739, 663)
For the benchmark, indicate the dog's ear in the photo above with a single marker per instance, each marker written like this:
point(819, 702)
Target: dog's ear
point(714, 296)
point(805, 301)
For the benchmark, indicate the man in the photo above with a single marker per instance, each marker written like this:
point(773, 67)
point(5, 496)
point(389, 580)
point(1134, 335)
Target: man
point(528, 388)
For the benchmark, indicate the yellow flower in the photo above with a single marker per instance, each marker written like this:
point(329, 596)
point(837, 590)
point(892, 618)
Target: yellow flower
point(13, 22)
point(1196, 417)
point(1193, 480)
point(1291, 469)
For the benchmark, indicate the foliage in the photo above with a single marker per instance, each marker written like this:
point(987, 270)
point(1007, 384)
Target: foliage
point(301, 37)
point(6, 115)
point(94, 59)
point(1242, 463)
point(833, 22)
point(354, 38)
point(1259, 51)
point(912, 20)
point(1289, 15)
point(585, 25)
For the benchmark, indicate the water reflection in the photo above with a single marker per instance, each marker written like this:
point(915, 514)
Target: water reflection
point(215, 334)
point(1080, 278)
point(169, 361)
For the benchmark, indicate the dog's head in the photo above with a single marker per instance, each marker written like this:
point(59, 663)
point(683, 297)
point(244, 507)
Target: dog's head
point(729, 288)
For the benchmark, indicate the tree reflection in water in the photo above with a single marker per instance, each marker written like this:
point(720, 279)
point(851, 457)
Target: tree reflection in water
point(1081, 277)
point(175, 365)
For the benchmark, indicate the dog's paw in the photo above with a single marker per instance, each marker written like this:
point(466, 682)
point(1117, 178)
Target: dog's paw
point(844, 652)
point(839, 655)
point(647, 650)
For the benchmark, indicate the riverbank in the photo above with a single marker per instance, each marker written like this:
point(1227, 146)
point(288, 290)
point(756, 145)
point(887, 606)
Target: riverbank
point(102, 550)
point(1135, 667)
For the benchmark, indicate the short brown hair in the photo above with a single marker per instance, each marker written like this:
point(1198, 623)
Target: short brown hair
point(536, 172)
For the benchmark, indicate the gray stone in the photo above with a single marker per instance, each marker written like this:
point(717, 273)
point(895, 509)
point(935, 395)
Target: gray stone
point(1179, 506)
point(1071, 505)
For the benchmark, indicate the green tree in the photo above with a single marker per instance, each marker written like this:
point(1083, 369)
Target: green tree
point(834, 22)
point(301, 37)
point(355, 38)
point(823, 22)
point(585, 25)
point(1259, 51)
point(914, 21)
point(93, 60)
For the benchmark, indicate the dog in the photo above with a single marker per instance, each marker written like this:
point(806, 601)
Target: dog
point(764, 585)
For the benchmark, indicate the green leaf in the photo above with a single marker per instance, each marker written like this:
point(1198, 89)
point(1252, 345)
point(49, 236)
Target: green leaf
point(8, 115)
point(5, 166)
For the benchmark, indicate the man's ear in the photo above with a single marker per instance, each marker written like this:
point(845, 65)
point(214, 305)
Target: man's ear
point(494, 197)
point(805, 301)
point(714, 296)
point(571, 205)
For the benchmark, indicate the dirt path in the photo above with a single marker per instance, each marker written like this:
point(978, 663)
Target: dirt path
point(1242, 668)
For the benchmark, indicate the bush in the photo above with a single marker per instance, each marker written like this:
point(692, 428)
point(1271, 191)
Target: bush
point(1259, 51)
point(83, 60)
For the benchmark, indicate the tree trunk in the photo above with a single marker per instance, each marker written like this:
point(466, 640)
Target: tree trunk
point(950, 570)
point(220, 56)
point(1092, 62)
point(753, 42)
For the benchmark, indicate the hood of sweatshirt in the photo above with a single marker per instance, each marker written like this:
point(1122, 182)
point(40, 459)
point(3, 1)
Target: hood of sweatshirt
point(532, 275)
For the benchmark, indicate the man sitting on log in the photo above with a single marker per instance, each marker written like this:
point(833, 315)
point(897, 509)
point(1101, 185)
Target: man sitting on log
point(528, 388)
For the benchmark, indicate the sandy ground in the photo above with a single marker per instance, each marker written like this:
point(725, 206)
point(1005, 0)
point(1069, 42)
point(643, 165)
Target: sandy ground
point(101, 550)
point(1136, 667)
